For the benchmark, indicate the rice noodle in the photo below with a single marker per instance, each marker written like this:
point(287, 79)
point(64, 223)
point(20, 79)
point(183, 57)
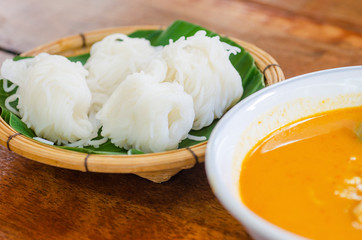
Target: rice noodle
point(53, 97)
point(201, 65)
point(150, 117)
point(196, 138)
point(8, 88)
point(43, 140)
point(111, 61)
point(9, 100)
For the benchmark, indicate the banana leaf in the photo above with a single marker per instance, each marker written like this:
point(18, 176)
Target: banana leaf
point(252, 81)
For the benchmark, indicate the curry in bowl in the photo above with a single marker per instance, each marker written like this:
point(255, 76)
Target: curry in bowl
point(306, 177)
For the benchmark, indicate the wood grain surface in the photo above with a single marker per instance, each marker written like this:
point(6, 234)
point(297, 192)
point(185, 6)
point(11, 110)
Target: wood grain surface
point(43, 202)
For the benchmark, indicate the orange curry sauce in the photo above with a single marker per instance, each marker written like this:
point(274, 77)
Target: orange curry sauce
point(306, 177)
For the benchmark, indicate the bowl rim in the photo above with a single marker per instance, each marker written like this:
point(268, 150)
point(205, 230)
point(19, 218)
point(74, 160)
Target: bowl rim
point(243, 214)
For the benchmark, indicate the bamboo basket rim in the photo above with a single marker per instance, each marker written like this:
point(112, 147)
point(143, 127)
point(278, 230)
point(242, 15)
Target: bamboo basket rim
point(172, 161)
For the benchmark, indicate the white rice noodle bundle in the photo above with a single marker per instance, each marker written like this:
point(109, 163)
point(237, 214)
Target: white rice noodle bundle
point(111, 61)
point(54, 98)
point(201, 65)
point(147, 115)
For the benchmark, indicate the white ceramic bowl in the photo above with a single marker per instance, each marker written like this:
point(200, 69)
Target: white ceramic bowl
point(261, 113)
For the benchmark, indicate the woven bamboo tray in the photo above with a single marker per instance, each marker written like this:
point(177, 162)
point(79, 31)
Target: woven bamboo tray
point(157, 167)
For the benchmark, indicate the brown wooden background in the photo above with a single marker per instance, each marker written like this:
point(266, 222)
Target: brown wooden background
point(43, 202)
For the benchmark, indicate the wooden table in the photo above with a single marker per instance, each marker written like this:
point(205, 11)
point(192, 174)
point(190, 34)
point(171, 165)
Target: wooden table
point(43, 202)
